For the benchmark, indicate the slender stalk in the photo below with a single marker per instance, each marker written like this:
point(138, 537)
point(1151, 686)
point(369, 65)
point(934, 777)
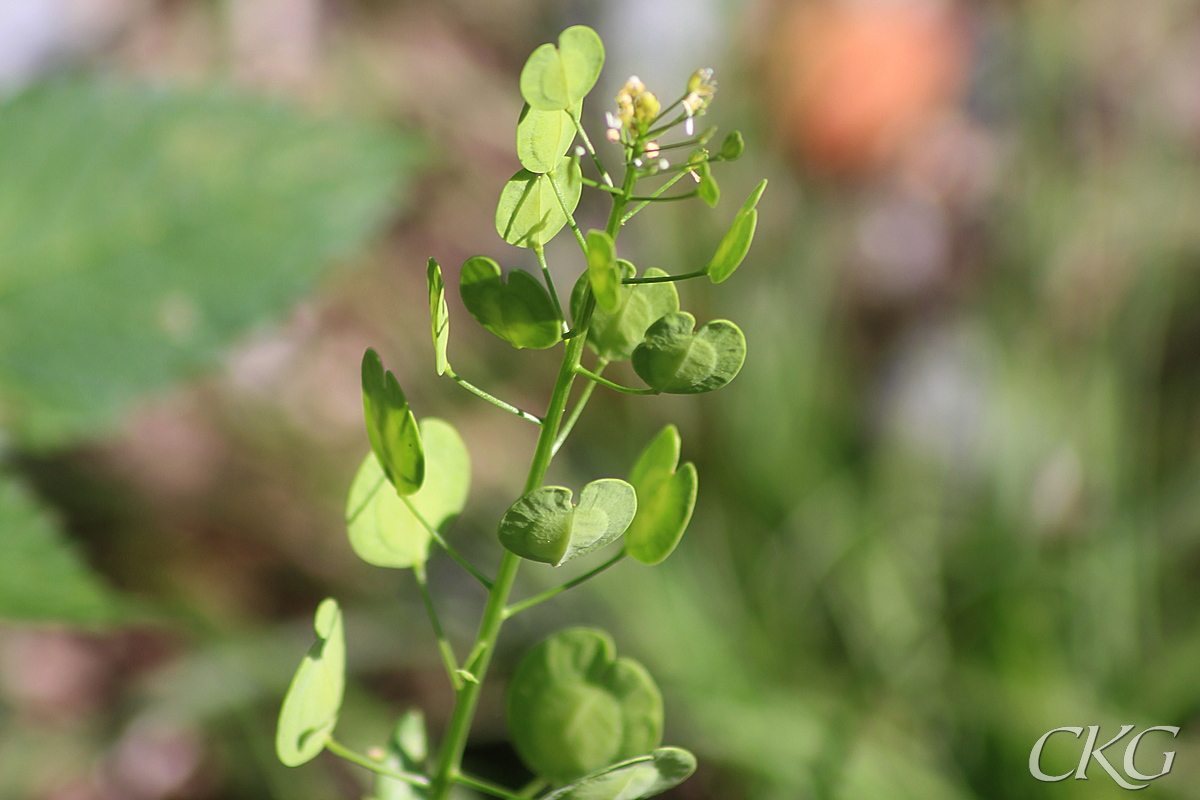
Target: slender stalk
point(467, 697)
point(654, 198)
point(577, 411)
point(587, 144)
point(480, 393)
point(532, 788)
point(437, 537)
point(541, 257)
point(443, 643)
point(517, 608)
point(700, 273)
point(342, 751)
point(480, 785)
point(606, 382)
point(656, 193)
point(601, 186)
point(562, 203)
point(493, 615)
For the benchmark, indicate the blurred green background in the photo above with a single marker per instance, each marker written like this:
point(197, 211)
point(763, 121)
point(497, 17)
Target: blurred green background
point(951, 502)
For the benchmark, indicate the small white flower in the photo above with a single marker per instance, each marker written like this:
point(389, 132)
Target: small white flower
point(637, 162)
point(664, 164)
point(579, 151)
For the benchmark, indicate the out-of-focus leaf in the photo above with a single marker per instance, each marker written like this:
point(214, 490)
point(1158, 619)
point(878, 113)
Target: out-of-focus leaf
point(383, 530)
point(406, 752)
point(41, 577)
point(674, 359)
point(634, 779)
point(310, 708)
point(544, 526)
point(142, 231)
point(574, 707)
point(733, 146)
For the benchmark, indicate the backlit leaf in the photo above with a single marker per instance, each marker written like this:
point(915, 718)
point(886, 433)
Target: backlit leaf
point(310, 708)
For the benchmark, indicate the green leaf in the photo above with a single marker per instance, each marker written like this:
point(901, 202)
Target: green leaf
point(555, 78)
point(391, 427)
point(406, 752)
point(574, 707)
point(603, 272)
point(733, 146)
point(520, 311)
point(634, 779)
point(666, 499)
point(310, 708)
point(675, 360)
point(543, 137)
point(708, 190)
point(733, 247)
point(439, 315)
point(544, 526)
point(42, 578)
point(145, 230)
point(755, 196)
point(615, 335)
point(529, 214)
point(383, 530)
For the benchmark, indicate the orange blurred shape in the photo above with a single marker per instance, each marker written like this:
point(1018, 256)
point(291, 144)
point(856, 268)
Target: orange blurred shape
point(854, 82)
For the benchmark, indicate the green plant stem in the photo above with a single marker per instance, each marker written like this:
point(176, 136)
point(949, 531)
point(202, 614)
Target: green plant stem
point(342, 751)
point(598, 185)
point(437, 537)
point(656, 193)
point(700, 273)
point(654, 198)
point(541, 257)
point(557, 590)
point(577, 411)
point(443, 643)
point(587, 144)
point(562, 203)
point(467, 697)
point(615, 386)
point(532, 788)
point(475, 390)
point(480, 785)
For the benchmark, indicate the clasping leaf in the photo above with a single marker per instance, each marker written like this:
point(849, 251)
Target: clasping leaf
point(603, 272)
point(520, 311)
point(614, 335)
point(391, 427)
point(675, 360)
point(310, 709)
point(666, 499)
point(574, 707)
point(383, 530)
point(544, 526)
